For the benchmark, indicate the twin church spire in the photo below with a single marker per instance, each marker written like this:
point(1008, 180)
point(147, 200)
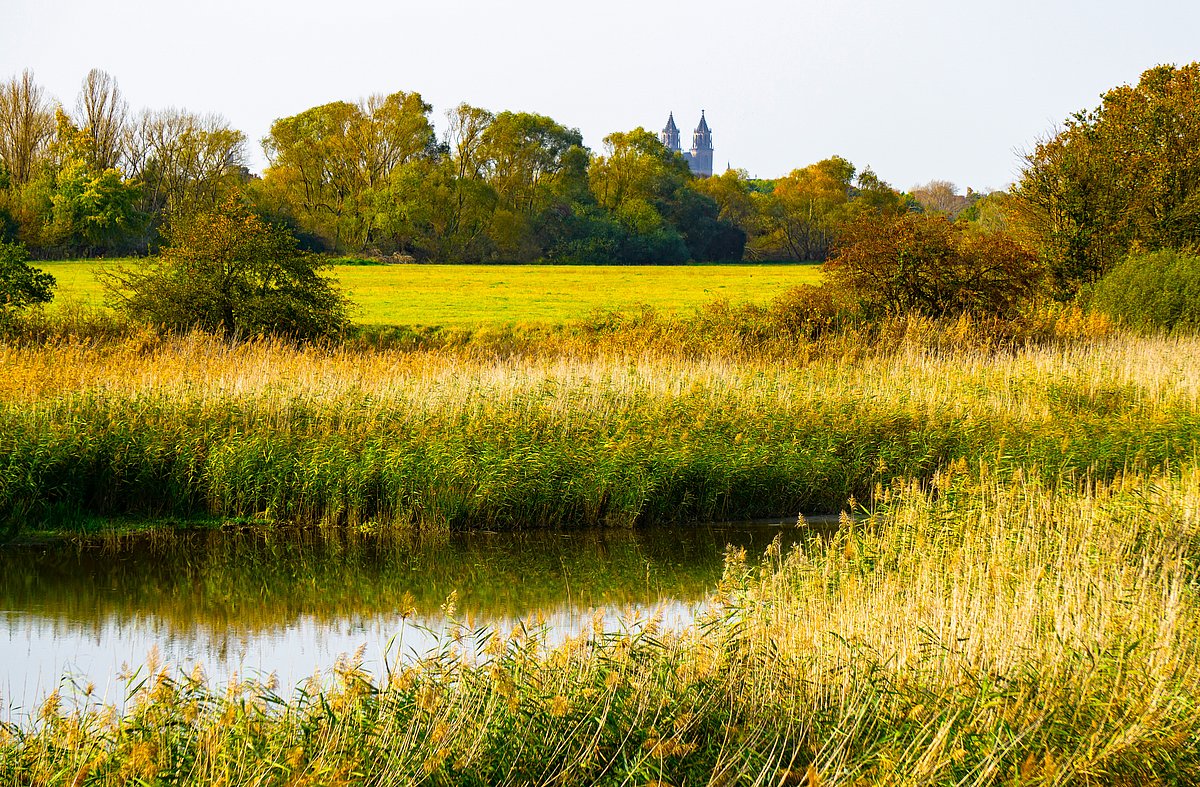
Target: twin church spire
point(700, 157)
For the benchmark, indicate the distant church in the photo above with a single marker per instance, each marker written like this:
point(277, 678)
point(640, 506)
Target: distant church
point(700, 158)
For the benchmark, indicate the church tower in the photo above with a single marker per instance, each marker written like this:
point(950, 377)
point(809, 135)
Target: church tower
point(701, 160)
point(670, 135)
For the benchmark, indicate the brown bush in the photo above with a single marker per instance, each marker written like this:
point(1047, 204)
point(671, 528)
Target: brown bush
point(929, 265)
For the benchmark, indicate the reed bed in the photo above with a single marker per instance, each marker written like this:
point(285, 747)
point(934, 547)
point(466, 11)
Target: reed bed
point(611, 433)
point(971, 631)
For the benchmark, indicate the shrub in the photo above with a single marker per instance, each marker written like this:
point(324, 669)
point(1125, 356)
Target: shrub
point(20, 284)
point(931, 266)
point(229, 270)
point(1158, 291)
point(811, 311)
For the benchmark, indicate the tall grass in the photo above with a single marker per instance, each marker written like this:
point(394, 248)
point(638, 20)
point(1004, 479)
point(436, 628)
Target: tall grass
point(972, 631)
point(584, 431)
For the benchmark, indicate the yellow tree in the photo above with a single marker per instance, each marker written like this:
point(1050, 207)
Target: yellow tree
point(329, 162)
point(801, 216)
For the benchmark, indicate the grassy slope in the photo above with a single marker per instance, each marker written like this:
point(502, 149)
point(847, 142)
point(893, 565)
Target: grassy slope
point(473, 295)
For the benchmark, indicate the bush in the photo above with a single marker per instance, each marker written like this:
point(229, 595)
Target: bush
point(231, 271)
point(20, 284)
point(928, 265)
point(1158, 291)
point(811, 311)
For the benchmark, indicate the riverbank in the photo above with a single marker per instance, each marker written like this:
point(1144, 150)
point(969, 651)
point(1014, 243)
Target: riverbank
point(977, 631)
point(622, 433)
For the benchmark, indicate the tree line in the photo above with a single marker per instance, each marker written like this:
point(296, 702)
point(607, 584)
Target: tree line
point(373, 178)
point(1107, 208)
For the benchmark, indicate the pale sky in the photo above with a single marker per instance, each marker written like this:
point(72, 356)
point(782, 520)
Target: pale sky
point(916, 89)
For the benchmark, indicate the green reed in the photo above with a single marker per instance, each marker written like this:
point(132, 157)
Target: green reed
point(617, 434)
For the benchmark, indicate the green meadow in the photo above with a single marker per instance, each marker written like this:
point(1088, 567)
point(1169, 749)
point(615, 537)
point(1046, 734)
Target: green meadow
point(461, 296)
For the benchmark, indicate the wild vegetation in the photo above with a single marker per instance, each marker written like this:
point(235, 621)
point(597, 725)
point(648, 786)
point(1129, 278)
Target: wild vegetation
point(1119, 179)
point(651, 420)
point(978, 630)
point(371, 178)
point(1017, 605)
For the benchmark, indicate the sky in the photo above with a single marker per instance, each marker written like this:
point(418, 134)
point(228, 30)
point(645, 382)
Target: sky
point(917, 90)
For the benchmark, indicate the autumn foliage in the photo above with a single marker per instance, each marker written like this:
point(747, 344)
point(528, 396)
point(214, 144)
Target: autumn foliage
point(916, 263)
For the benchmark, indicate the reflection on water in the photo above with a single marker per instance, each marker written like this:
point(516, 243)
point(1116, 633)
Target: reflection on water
point(289, 603)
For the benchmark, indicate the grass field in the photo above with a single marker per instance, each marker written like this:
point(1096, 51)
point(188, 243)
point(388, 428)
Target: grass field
point(474, 295)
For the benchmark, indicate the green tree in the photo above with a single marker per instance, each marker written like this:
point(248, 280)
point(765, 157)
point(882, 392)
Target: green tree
point(732, 193)
point(537, 169)
point(1122, 177)
point(990, 212)
point(1152, 292)
point(697, 217)
point(229, 270)
point(20, 284)
point(638, 182)
point(91, 209)
point(872, 193)
point(635, 166)
point(329, 163)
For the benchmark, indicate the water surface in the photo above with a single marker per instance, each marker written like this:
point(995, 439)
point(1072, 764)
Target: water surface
point(289, 603)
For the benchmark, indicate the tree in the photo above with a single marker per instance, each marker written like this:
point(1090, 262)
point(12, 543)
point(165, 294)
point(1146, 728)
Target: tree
point(697, 218)
point(731, 191)
point(801, 216)
point(929, 265)
point(990, 212)
point(185, 162)
point(26, 127)
point(940, 196)
point(331, 162)
point(101, 112)
point(638, 182)
point(635, 166)
point(1152, 292)
point(229, 270)
point(537, 169)
point(1122, 177)
point(872, 193)
point(91, 208)
point(21, 285)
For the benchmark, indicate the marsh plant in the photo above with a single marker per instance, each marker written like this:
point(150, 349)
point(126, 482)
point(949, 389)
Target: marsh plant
point(626, 429)
point(974, 631)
